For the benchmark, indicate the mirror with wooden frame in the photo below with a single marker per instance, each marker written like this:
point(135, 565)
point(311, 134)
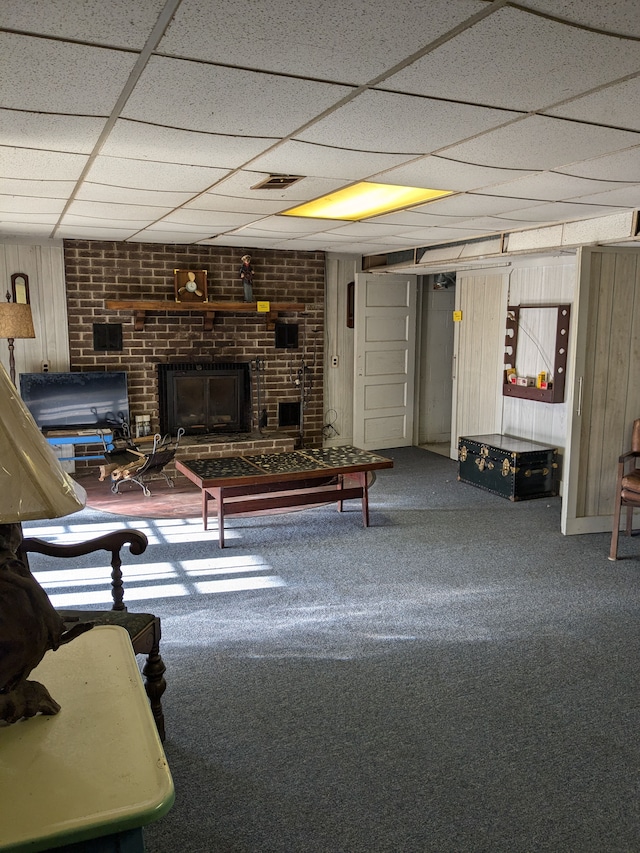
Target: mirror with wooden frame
point(20, 288)
point(535, 352)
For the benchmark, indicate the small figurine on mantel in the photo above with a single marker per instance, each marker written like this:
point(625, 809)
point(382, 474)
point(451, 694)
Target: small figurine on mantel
point(246, 274)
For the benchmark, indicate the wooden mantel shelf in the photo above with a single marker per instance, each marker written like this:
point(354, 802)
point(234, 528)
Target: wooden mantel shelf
point(140, 307)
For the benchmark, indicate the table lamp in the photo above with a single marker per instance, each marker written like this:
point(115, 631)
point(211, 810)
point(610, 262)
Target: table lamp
point(33, 485)
point(15, 322)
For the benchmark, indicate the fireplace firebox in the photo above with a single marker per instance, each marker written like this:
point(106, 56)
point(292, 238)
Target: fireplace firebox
point(204, 397)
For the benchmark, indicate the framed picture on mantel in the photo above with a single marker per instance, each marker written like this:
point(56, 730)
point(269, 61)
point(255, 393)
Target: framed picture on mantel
point(190, 285)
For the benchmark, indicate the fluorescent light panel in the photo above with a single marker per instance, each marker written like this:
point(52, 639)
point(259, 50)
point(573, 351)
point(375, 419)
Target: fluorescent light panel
point(364, 200)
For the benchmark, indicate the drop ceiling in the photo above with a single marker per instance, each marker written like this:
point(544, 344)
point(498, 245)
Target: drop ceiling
point(155, 121)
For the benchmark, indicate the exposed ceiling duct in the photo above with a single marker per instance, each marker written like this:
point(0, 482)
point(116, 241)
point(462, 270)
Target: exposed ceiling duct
point(444, 280)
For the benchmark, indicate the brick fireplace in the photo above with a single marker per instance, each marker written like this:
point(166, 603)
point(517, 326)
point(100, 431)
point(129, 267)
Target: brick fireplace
point(97, 272)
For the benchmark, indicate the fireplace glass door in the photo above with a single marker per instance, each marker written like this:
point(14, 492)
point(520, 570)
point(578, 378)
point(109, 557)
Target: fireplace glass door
point(206, 404)
point(204, 399)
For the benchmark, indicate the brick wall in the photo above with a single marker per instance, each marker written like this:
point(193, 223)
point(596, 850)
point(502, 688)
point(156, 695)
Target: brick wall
point(97, 271)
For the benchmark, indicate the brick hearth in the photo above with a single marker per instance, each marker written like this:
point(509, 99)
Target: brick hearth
point(214, 446)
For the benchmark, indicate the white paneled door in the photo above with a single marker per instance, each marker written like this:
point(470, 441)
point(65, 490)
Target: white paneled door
point(384, 345)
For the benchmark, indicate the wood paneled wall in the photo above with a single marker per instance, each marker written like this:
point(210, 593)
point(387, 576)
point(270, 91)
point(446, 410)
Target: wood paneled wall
point(44, 265)
point(610, 378)
point(547, 281)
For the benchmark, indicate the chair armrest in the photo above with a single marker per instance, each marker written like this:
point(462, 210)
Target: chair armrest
point(111, 542)
point(630, 454)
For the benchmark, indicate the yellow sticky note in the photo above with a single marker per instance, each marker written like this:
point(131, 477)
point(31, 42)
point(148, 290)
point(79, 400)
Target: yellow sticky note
point(263, 307)
point(457, 316)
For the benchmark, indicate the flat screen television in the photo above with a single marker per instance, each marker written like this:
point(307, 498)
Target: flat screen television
point(73, 401)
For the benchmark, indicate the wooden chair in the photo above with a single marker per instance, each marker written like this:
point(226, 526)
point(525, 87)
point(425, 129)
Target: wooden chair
point(627, 488)
point(143, 628)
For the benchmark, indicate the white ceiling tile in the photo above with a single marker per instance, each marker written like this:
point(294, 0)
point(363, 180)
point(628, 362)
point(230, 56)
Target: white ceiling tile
point(619, 166)
point(405, 240)
point(72, 134)
point(288, 225)
point(611, 106)
point(187, 232)
point(34, 165)
point(256, 231)
point(92, 232)
point(328, 244)
point(305, 158)
point(489, 224)
point(35, 188)
point(18, 231)
point(257, 206)
point(333, 235)
point(153, 235)
point(234, 240)
point(227, 100)
point(538, 142)
point(311, 39)
point(621, 197)
point(215, 219)
point(416, 236)
point(442, 234)
point(71, 220)
point(560, 210)
point(10, 218)
point(21, 204)
point(364, 229)
point(550, 186)
point(401, 124)
point(613, 16)
point(159, 238)
point(487, 64)
point(416, 217)
point(468, 204)
point(124, 195)
point(51, 76)
point(116, 212)
point(172, 145)
point(117, 23)
point(149, 175)
point(300, 244)
point(440, 172)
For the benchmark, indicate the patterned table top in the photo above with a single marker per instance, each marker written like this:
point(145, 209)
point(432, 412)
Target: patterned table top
point(292, 462)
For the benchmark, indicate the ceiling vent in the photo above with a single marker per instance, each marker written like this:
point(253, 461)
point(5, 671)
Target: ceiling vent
point(278, 182)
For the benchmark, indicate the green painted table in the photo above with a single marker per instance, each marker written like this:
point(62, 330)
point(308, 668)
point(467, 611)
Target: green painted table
point(91, 776)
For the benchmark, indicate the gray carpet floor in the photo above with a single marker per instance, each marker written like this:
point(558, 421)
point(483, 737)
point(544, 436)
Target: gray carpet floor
point(457, 678)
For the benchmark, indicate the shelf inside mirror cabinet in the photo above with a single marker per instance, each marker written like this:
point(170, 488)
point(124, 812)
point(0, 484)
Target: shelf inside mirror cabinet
point(141, 307)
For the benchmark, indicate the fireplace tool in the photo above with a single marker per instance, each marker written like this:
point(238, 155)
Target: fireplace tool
point(303, 381)
point(130, 465)
point(258, 366)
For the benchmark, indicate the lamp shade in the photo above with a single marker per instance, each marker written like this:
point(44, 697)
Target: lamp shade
point(33, 483)
point(16, 320)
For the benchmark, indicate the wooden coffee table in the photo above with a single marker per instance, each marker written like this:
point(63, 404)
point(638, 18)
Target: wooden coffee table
point(244, 484)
